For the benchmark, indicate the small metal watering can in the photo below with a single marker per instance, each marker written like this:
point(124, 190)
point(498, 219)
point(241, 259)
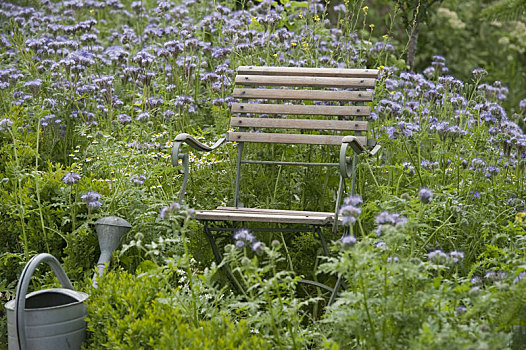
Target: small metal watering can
point(46, 319)
point(53, 319)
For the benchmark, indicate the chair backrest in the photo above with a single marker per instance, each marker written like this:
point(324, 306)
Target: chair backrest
point(305, 90)
point(309, 107)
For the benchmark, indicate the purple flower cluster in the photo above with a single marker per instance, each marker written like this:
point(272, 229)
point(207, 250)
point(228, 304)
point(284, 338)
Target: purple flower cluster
point(138, 180)
point(244, 238)
point(347, 241)
point(166, 212)
point(384, 220)
point(71, 178)
point(439, 257)
point(351, 210)
point(5, 124)
point(92, 199)
point(425, 195)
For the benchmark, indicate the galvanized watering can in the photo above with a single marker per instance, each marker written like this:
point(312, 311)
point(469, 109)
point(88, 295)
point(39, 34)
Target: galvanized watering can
point(53, 319)
point(46, 319)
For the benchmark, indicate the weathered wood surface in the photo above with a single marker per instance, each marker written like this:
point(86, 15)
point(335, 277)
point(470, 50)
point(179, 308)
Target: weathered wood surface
point(313, 95)
point(300, 109)
point(301, 71)
point(269, 80)
point(290, 138)
point(306, 124)
point(266, 215)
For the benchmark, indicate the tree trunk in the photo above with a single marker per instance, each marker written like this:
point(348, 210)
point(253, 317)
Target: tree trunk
point(411, 48)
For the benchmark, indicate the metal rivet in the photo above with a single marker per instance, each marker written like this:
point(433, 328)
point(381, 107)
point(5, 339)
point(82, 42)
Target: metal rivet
point(241, 107)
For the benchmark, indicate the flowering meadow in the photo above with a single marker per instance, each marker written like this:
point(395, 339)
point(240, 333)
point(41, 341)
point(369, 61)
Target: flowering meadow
point(92, 95)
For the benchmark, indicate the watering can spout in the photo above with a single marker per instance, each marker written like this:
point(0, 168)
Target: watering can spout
point(109, 232)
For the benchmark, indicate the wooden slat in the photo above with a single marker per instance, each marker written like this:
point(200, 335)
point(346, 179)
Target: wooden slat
point(277, 211)
point(289, 138)
point(261, 217)
point(307, 124)
point(301, 71)
point(300, 109)
point(314, 95)
point(263, 80)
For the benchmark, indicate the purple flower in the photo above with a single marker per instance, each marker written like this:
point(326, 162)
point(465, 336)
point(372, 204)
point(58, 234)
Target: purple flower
point(139, 180)
point(461, 310)
point(90, 196)
point(519, 277)
point(393, 259)
point(438, 257)
point(257, 246)
point(5, 124)
point(124, 119)
point(355, 201)
point(350, 211)
point(166, 212)
point(348, 241)
point(425, 195)
point(475, 194)
point(385, 219)
point(244, 235)
point(92, 199)
point(94, 204)
point(522, 104)
point(244, 239)
point(71, 178)
point(456, 256)
point(479, 73)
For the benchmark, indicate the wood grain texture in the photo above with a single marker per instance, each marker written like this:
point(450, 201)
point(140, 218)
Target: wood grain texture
point(300, 109)
point(304, 139)
point(307, 124)
point(264, 80)
point(274, 217)
point(314, 95)
point(301, 71)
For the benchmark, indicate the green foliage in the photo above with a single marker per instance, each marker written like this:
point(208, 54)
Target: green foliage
point(505, 10)
point(148, 312)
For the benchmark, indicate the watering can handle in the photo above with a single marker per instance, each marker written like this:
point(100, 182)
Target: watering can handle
point(23, 284)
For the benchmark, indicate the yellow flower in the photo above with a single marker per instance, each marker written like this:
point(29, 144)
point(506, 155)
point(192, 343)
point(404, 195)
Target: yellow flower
point(253, 19)
point(520, 217)
point(381, 68)
point(293, 44)
point(316, 18)
point(365, 9)
point(301, 16)
point(371, 26)
point(385, 36)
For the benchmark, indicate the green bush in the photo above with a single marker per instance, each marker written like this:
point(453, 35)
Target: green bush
point(146, 312)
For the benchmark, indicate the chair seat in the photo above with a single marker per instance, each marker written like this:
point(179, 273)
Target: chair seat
point(266, 215)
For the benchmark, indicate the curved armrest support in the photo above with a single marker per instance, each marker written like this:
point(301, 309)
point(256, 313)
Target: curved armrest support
point(346, 168)
point(176, 155)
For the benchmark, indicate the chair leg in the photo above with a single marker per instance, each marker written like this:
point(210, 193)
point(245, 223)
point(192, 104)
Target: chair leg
point(219, 258)
point(319, 235)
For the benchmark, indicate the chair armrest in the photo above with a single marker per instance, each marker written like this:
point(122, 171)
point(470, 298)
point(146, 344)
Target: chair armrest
point(192, 142)
point(176, 155)
point(356, 146)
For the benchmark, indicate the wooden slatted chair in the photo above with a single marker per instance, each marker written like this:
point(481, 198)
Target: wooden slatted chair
point(291, 84)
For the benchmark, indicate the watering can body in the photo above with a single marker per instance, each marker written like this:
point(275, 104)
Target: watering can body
point(46, 319)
